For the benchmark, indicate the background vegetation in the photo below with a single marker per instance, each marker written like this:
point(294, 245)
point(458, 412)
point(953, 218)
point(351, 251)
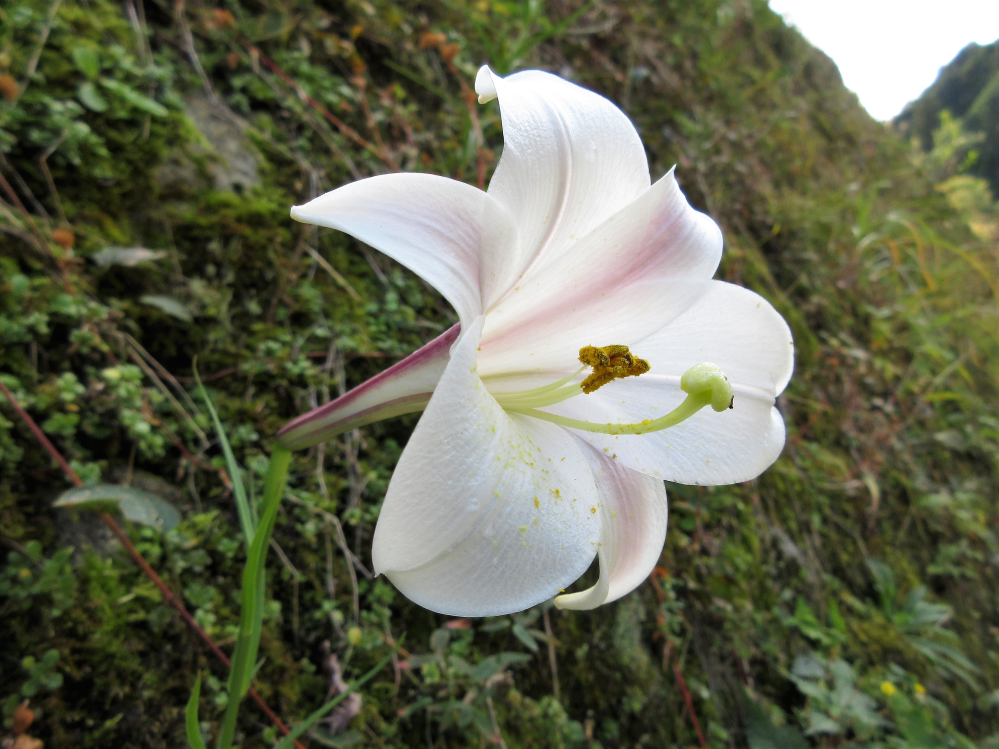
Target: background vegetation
point(967, 88)
point(150, 153)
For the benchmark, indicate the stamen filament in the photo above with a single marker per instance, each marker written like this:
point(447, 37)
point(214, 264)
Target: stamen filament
point(541, 400)
point(543, 389)
point(690, 406)
point(546, 395)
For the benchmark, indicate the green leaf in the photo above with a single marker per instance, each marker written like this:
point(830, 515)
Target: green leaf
point(808, 623)
point(133, 97)
point(521, 633)
point(491, 666)
point(137, 506)
point(247, 519)
point(251, 615)
point(191, 723)
point(88, 60)
point(91, 98)
point(169, 305)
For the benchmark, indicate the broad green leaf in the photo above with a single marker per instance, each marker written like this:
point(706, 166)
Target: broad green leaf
point(137, 506)
point(521, 633)
point(88, 60)
point(91, 98)
point(762, 734)
point(169, 305)
point(133, 97)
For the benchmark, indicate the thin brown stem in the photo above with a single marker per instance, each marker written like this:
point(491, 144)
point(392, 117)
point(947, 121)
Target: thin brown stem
point(43, 163)
point(688, 701)
point(42, 242)
point(339, 124)
point(497, 737)
point(180, 16)
point(37, 54)
point(25, 190)
point(551, 653)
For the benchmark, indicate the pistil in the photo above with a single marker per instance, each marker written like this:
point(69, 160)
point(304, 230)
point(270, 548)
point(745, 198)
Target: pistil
point(705, 385)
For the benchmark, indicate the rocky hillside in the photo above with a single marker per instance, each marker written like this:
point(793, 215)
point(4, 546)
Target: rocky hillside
point(150, 153)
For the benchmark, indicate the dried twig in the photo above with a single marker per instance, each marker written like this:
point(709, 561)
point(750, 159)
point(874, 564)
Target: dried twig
point(551, 653)
point(168, 595)
point(351, 706)
point(42, 243)
point(396, 668)
point(369, 117)
point(339, 124)
point(353, 563)
point(136, 348)
point(179, 14)
point(688, 701)
point(497, 737)
point(295, 575)
point(43, 163)
point(37, 54)
point(139, 28)
point(325, 265)
point(25, 190)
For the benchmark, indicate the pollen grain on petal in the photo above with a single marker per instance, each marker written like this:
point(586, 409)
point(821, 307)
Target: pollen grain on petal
point(609, 363)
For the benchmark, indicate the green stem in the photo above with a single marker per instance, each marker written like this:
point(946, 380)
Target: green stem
point(251, 617)
point(690, 406)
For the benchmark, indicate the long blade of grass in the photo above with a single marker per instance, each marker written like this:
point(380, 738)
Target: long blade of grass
point(288, 741)
point(192, 726)
point(246, 516)
point(251, 617)
point(420, 81)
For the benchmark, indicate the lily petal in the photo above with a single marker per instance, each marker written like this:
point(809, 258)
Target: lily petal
point(634, 512)
point(486, 513)
point(736, 329)
point(571, 159)
point(443, 230)
point(550, 341)
point(680, 242)
point(627, 278)
point(740, 332)
point(403, 388)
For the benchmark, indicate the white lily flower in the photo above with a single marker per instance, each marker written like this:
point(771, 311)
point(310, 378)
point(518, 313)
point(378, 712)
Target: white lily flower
point(514, 477)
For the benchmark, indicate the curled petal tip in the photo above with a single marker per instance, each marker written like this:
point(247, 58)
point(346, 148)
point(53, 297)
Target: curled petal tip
point(297, 214)
point(485, 86)
point(565, 602)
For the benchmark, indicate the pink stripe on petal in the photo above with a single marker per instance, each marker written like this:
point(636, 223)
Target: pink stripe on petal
point(403, 388)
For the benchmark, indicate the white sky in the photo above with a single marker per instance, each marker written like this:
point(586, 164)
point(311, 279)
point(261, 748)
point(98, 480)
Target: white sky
point(890, 51)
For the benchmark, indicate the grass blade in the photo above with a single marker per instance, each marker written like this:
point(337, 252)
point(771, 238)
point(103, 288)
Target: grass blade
point(191, 723)
point(251, 617)
point(246, 515)
point(288, 741)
